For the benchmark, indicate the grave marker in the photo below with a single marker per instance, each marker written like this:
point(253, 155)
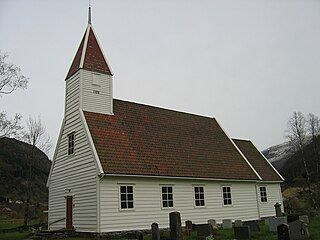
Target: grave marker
point(283, 232)
point(298, 230)
point(253, 225)
point(204, 231)
point(227, 223)
point(155, 231)
point(175, 226)
point(242, 232)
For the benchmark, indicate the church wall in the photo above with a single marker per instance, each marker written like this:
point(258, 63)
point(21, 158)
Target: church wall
point(148, 208)
point(274, 195)
point(77, 172)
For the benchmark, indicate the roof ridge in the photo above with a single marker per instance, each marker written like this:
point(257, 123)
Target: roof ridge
point(167, 109)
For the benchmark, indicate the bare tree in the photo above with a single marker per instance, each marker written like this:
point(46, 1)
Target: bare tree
point(35, 135)
point(11, 79)
point(313, 123)
point(297, 135)
point(9, 127)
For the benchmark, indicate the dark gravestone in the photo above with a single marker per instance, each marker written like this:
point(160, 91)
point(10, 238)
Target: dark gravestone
point(242, 232)
point(139, 236)
point(189, 225)
point(194, 227)
point(298, 230)
point(283, 232)
point(292, 217)
point(204, 231)
point(277, 208)
point(253, 225)
point(155, 231)
point(188, 228)
point(175, 226)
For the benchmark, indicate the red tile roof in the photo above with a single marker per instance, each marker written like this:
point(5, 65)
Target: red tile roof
point(93, 58)
point(257, 160)
point(145, 140)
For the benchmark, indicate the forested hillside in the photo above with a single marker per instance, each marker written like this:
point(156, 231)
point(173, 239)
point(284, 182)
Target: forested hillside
point(15, 157)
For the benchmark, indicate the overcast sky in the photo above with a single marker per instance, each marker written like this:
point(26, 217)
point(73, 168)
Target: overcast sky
point(249, 64)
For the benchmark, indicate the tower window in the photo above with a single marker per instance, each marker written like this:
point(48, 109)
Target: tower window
point(71, 143)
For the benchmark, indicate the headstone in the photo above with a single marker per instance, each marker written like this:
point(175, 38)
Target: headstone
point(304, 218)
point(242, 232)
point(188, 225)
point(298, 230)
point(139, 235)
point(175, 226)
point(226, 223)
point(274, 222)
point(292, 217)
point(277, 208)
point(253, 225)
point(194, 227)
point(238, 223)
point(213, 223)
point(155, 231)
point(283, 232)
point(188, 228)
point(204, 231)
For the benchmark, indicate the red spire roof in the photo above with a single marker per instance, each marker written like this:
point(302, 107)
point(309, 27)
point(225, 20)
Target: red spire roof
point(89, 56)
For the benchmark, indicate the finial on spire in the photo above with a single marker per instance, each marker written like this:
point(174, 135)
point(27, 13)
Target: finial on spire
point(89, 14)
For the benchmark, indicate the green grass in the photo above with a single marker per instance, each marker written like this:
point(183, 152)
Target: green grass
point(314, 228)
point(221, 234)
point(13, 223)
point(10, 223)
point(13, 236)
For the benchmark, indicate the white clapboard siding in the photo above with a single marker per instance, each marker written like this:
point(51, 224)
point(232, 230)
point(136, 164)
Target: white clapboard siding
point(96, 98)
point(77, 172)
point(274, 196)
point(147, 202)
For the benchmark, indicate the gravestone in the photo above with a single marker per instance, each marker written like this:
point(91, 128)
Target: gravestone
point(194, 227)
point(298, 230)
point(304, 218)
point(292, 217)
point(139, 236)
point(253, 225)
point(175, 226)
point(277, 208)
point(283, 232)
point(155, 231)
point(213, 223)
point(188, 225)
point(275, 222)
point(226, 223)
point(204, 231)
point(238, 223)
point(242, 232)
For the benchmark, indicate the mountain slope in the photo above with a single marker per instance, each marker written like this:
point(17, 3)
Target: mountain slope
point(14, 156)
point(289, 163)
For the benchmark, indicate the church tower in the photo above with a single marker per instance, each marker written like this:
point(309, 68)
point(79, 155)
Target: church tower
point(89, 77)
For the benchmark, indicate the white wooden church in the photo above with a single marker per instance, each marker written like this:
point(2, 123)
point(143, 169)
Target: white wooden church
point(121, 165)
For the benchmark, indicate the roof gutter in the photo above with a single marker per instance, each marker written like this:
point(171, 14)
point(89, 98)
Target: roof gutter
point(182, 178)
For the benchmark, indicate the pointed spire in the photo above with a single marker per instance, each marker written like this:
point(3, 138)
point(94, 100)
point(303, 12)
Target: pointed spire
point(89, 13)
point(89, 55)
